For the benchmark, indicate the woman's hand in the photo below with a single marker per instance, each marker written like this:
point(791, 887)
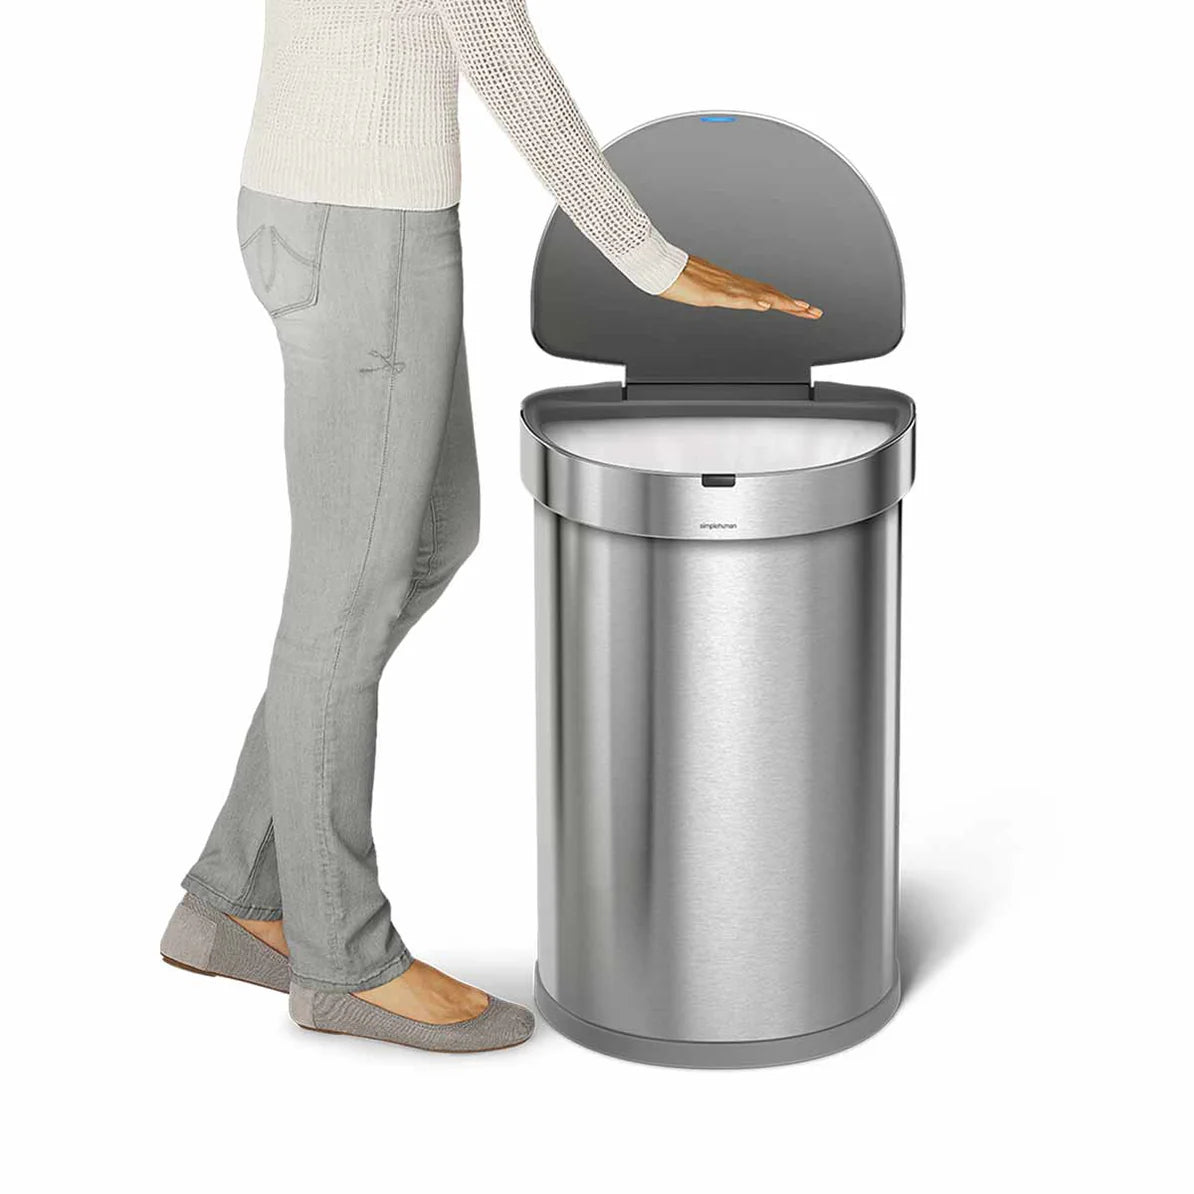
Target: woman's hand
point(703, 284)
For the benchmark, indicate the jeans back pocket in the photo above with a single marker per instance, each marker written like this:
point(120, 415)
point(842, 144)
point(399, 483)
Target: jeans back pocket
point(281, 242)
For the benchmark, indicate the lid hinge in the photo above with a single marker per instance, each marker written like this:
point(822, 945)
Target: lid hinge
point(719, 391)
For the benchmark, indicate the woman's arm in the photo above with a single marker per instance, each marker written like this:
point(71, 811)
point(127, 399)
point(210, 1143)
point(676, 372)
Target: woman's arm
point(501, 57)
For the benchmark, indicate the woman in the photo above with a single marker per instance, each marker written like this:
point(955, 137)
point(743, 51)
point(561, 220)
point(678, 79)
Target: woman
point(348, 225)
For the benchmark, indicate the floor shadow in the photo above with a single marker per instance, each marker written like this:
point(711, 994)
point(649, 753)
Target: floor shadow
point(937, 919)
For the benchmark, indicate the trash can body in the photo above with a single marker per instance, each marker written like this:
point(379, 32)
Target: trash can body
point(717, 636)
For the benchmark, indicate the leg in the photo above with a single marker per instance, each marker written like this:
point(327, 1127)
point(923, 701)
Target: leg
point(238, 869)
point(370, 371)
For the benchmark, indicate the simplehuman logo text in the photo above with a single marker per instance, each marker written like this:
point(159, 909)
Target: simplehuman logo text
point(719, 526)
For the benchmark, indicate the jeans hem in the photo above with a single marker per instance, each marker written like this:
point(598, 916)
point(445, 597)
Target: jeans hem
point(391, 970)
point(219, 901)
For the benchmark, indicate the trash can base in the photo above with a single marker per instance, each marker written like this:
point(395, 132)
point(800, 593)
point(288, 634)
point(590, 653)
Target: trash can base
point(716, 1055)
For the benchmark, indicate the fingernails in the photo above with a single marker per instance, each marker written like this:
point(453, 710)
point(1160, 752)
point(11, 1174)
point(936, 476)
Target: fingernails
point(816, 312)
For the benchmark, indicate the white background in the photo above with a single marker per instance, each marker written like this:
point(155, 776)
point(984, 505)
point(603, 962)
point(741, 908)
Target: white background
point(1032, 161)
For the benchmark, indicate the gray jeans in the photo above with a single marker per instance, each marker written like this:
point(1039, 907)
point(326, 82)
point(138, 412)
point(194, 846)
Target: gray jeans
point(382, 475)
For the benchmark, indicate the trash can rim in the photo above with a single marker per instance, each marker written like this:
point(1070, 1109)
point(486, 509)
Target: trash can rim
point(757, 505)
point(789, 410)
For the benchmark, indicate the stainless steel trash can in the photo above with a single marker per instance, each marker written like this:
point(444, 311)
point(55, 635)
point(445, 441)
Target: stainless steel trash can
point(717, 579)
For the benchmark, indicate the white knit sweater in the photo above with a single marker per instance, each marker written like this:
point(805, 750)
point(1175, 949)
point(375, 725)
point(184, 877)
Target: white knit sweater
point(357, 105)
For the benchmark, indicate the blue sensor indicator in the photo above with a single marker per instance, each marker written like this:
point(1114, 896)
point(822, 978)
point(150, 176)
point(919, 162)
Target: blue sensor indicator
point(718, 119)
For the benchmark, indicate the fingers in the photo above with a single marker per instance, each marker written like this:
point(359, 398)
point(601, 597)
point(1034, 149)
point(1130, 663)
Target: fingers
point(755, 296)
point(775, 300)
point(767, 300)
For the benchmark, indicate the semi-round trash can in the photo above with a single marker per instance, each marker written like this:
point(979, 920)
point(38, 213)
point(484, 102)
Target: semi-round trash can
point(717, 592)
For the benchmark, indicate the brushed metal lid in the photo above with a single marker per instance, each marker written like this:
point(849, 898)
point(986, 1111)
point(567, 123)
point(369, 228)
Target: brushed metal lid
point(754, 195)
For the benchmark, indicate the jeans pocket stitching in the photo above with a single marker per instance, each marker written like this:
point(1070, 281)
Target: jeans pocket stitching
point(289, 248)
point(244, 244)
point(315, 262)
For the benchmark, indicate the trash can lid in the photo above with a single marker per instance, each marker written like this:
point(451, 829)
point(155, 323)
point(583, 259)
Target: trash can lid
point(754, 195)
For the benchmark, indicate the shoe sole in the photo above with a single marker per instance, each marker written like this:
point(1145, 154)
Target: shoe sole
point(381, 1040)
point(219, 974)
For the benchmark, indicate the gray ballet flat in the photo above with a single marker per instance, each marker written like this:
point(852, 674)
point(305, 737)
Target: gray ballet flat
point(500, 1026)
point(201, 938)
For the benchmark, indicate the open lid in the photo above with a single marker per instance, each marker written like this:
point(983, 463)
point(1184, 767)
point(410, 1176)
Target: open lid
point(754, 195)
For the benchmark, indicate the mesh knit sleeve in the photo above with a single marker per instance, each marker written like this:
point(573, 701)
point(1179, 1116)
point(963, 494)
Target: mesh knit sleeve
point(500, 56)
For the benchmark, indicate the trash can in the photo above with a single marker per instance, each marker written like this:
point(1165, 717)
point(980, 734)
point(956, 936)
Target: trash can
point(717, 549)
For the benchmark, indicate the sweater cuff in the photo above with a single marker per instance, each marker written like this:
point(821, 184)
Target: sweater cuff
point(654, 265)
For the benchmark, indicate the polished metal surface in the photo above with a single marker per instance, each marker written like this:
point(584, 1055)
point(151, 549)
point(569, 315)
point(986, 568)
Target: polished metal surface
point(716, 1055)
point(717, 726)
point(758, 505)
point(717, 612)
point(758, 196)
